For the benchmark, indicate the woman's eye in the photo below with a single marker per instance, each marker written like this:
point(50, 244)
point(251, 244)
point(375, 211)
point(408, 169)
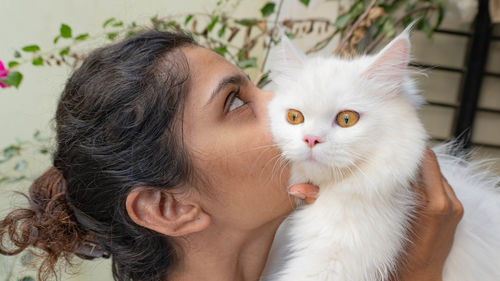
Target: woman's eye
point(235, 101)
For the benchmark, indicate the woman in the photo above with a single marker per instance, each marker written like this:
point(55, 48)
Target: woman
point(165, 162)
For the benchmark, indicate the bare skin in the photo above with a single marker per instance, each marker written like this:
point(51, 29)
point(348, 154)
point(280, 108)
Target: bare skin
point(223, 225)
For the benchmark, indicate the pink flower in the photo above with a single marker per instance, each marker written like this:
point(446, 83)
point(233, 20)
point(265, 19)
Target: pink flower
point(3, 73)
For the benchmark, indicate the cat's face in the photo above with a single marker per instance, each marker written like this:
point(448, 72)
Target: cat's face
point(326, 117)
point(333, 114)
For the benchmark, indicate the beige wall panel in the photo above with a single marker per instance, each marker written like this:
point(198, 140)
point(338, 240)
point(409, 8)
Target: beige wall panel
point(454, 21)
point(493, 61)
point(490, 93)
point(487, 128)
point(438, 121)
point(496, 30)
point(440, 86)
point(442, 49)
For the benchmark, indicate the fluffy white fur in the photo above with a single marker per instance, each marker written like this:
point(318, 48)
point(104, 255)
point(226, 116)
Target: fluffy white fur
point(357, 228)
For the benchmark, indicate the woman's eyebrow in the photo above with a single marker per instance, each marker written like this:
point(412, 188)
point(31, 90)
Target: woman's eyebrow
point(235, 79)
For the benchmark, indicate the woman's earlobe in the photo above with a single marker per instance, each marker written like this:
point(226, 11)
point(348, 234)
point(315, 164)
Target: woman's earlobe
point(162, 212)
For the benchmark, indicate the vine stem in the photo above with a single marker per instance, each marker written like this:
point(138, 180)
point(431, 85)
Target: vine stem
point(353, 27)
point(271, 37)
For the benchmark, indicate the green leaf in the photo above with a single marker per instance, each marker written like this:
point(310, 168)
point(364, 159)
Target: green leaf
point(64, 51)
point(56, 39)
point(154, 19)
point(268, 9)
point(342, 20)
point(264, 79)
point(17, 54)
point(13, 64)
point(65, 31)
point(241, 53)
point(247, 22)
point(13, 79)
point(82, 37)
point(188, 18)
point(130, 33)
point(21, 166)
point(246, 63)
point(427, 28)
point(222, 50)
point(31, 48)
point(410, 7)
point(440, 17)
point(118, 24)
point(389, 29)
point(222, 30)
point(305, 2)
point(290, 35)
point(27, 278)
point(38, 61)
point(112, 35)
point(169, 24)
point(406, 21)
point(108, 21)
point(393, 7)
point(357, 10)
point(379, 25)
point(43, 150)
point(212, 23)
point(11, 151)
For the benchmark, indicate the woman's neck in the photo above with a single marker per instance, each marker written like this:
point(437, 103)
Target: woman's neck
point(225, 255)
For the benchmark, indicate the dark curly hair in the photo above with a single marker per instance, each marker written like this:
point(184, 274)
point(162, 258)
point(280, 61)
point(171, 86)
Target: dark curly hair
point(118, 126)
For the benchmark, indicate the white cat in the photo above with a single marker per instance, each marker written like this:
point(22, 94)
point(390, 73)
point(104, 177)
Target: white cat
point(351, 127)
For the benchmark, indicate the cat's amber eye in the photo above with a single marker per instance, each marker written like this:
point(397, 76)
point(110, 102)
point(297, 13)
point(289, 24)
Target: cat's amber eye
point(347, 118)
point(294, 117)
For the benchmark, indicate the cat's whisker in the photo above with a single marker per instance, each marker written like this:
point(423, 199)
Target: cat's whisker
point(287, 162)
point(274, 159)
point(283, 162)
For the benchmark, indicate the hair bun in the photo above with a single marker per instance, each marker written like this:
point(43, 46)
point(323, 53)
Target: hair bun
point(50, 185)
point(49, 224)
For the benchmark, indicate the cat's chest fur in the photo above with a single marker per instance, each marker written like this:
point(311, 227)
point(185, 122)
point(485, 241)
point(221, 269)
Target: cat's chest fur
point(345, 231)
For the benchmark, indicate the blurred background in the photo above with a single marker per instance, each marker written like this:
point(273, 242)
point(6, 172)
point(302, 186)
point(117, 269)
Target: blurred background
point(461, 57)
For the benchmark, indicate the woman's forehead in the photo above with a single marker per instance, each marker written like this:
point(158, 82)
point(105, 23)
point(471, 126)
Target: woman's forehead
point(206, 69)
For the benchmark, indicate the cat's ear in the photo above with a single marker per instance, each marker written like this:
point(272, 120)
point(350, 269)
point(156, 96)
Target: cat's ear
point(391, 63)
point(292, 56)
point(284, 61)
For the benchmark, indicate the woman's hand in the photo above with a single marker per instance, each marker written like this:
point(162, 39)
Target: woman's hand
point(433, 229)
point(435, 225)
point(307, 192)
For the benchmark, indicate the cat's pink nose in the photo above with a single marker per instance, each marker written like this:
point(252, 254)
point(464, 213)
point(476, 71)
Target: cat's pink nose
point(312, 140)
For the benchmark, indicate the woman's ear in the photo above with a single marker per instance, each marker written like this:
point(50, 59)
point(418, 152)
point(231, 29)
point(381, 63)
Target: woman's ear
point(162, 212)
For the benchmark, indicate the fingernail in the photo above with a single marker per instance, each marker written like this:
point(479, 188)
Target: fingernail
point(297, 194)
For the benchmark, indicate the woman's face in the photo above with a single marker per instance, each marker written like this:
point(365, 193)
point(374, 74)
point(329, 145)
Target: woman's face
point(227, 134)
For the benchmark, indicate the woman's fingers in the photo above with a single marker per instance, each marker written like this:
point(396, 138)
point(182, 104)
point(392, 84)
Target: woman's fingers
point(434, 225)
point(438, 196)
point(457, 209)
point(304, 191)
point(431, 179)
